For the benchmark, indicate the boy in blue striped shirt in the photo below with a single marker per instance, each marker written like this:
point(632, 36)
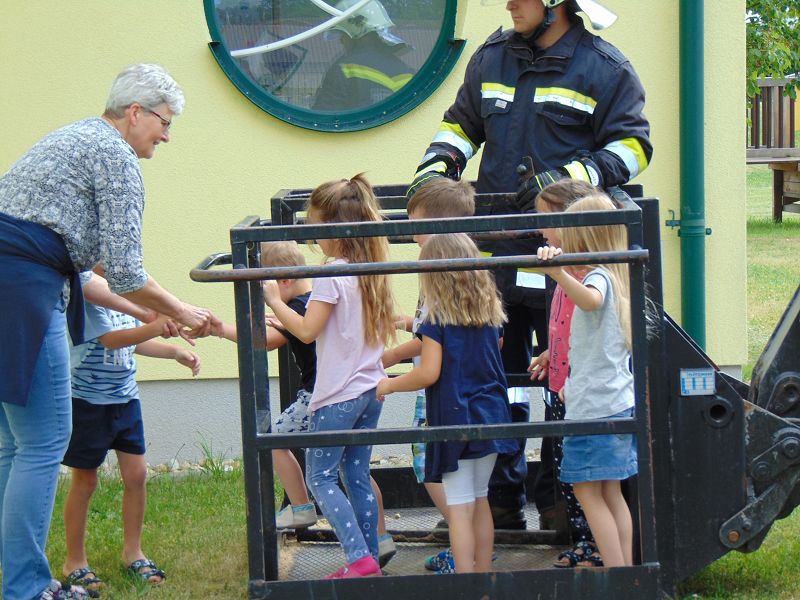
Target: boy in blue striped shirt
point(107, 415)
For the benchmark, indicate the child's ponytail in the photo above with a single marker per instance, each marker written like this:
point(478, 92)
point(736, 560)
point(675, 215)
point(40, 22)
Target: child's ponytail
point(351, 201)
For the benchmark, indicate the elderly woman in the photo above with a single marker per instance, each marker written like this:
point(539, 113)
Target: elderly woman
point(73, 200)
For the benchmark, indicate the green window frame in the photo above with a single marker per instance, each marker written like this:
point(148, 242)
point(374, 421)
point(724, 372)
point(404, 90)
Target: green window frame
point(433, 71)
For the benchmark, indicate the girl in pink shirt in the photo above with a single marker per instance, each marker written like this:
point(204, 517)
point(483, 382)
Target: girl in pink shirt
point(553, 364)
point(351, 319)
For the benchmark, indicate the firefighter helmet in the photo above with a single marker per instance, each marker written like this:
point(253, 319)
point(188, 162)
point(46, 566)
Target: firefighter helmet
point(599, 16)
point(370, 18)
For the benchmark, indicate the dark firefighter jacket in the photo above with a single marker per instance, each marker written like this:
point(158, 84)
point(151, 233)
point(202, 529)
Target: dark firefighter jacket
point(580, 97)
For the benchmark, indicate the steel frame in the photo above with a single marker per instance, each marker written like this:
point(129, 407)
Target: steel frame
point(654, 575)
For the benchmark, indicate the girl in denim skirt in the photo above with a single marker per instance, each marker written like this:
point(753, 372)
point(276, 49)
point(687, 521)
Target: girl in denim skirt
point(600, 383)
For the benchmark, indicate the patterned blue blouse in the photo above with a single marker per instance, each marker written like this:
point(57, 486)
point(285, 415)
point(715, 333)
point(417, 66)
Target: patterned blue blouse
point(83, 181)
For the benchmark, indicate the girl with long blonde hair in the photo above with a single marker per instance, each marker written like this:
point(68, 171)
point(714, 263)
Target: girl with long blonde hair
point(462, 370)
point(351, 320)
point(553, 365)
point(600, 383)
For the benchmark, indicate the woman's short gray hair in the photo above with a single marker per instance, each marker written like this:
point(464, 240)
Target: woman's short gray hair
point(148, 85)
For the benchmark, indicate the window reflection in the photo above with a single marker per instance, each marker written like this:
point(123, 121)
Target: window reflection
point(304, 54)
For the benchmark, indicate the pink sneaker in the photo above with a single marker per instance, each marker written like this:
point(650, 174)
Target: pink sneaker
point(363, 567)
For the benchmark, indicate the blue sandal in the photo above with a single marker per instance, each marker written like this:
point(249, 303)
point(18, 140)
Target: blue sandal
point(584, 554)
point(146, 570)
point(86, 578)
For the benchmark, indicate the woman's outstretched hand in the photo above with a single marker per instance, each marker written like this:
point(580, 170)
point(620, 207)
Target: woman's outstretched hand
point(201, 322)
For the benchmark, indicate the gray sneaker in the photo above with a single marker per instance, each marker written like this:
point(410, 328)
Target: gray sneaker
point(296, 517)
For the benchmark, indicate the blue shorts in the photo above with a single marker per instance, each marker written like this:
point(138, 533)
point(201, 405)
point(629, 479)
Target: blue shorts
point(600, 457)
point(98, 428)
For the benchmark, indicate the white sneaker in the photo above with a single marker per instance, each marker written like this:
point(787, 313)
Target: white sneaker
point(386, 549)
point(296, 517)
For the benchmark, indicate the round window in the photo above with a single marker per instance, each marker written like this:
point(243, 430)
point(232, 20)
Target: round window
point(334, 65)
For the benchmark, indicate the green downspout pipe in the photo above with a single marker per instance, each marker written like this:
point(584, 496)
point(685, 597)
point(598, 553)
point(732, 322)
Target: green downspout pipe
point(692, 216)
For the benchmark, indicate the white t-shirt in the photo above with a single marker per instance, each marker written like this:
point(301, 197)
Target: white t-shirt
point(600, 383)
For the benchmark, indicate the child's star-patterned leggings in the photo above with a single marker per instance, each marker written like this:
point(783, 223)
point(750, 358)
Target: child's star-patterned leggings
point(355, 522)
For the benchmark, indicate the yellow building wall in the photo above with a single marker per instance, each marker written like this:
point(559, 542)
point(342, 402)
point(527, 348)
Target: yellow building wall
point(227, 157)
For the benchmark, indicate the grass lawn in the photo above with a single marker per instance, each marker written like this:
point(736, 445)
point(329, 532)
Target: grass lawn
point(194, 530)
point(195, 525)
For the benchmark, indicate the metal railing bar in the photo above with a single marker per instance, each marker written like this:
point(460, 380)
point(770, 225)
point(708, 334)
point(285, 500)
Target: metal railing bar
point(301, 232)
point(364, 437)
point(415, 266)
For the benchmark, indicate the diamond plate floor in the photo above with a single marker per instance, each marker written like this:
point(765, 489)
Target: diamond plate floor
point(313, 559)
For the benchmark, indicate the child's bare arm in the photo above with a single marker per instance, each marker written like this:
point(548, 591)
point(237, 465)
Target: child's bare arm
point(403, 322)
point(275, 339)
point(585, 297)
point(402, 352)
point(157, 349)
point(426, 374)
point(305, 328)
point(225, 331)
point(120, 338)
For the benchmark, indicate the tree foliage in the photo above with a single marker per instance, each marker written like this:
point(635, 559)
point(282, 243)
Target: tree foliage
point(773, 42)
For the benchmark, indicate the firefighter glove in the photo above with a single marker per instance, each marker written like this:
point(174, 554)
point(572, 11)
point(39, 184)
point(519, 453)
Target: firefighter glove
point(530, 188)
point(438, 165)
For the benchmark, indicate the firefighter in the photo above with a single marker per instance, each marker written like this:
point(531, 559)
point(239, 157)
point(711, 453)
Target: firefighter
point(549, 95)
point(370, 69)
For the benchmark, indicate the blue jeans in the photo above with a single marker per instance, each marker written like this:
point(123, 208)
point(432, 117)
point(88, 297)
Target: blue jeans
point(33, 440)
point(355, 522)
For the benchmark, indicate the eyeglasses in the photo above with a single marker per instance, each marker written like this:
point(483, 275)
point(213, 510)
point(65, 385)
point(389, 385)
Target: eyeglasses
point(165, 123)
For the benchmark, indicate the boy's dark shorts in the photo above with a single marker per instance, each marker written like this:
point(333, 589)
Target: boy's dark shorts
point(98, 428)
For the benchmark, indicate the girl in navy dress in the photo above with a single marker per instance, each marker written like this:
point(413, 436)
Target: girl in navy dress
point(462, 370)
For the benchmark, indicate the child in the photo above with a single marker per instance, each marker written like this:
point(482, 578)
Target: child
point(463, 373)
point(106, 415)
point(553, 364)
point(439, 198)
point(300, 513)
point(351, 318)
point(599, 384)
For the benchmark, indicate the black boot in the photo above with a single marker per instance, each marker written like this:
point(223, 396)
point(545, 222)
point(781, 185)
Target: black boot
point(508, 517)
point(555, 517)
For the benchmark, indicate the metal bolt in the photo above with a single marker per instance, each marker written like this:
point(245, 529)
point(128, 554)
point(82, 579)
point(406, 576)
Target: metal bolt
point(746, 524)
point(791, 447)
point(733, 536)
point(762, 471)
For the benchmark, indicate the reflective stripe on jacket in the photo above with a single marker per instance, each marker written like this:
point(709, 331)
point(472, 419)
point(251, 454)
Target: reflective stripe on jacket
point(580, 97)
